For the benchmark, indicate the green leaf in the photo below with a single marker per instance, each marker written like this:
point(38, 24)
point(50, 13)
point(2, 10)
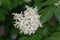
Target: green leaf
point(45, 31)
point(1, 2)
point(58, 28)
point(14, 31)
point(50, 2)
point(38, 3)
point(54, 36)
point(47, 13)
point(20, 2)
point(9, 4)
point(57, 13)
point(24, 38)
point(2, 15)
point(36, 36)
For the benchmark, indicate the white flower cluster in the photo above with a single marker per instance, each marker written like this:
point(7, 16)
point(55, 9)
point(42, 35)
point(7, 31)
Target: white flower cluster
point(28, 22)
point(27, 1)
point(57, 4)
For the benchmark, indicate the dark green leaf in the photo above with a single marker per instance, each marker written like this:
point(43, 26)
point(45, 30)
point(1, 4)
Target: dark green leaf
point(54, 36)
point(36, 1)
point(1, 2)
point(47, 13)
point(9, 4)
point(24, 38)
point(58, 28)
point(36, 36)
point(45, 31)
point(57, 13)
point(50, 2)
point(2, 15)
point(20, 2)
point(14, 31)
point(39, 5)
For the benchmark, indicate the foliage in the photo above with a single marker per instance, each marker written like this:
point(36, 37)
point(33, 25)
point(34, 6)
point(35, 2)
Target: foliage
point(50, 18)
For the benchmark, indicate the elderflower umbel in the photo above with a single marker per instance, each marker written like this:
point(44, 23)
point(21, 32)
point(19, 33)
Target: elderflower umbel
point(28, 22)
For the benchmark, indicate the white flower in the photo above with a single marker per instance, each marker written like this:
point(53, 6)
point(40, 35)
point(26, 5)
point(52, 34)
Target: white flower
point(27, 1)
point(28, 22)
point(57, 4)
